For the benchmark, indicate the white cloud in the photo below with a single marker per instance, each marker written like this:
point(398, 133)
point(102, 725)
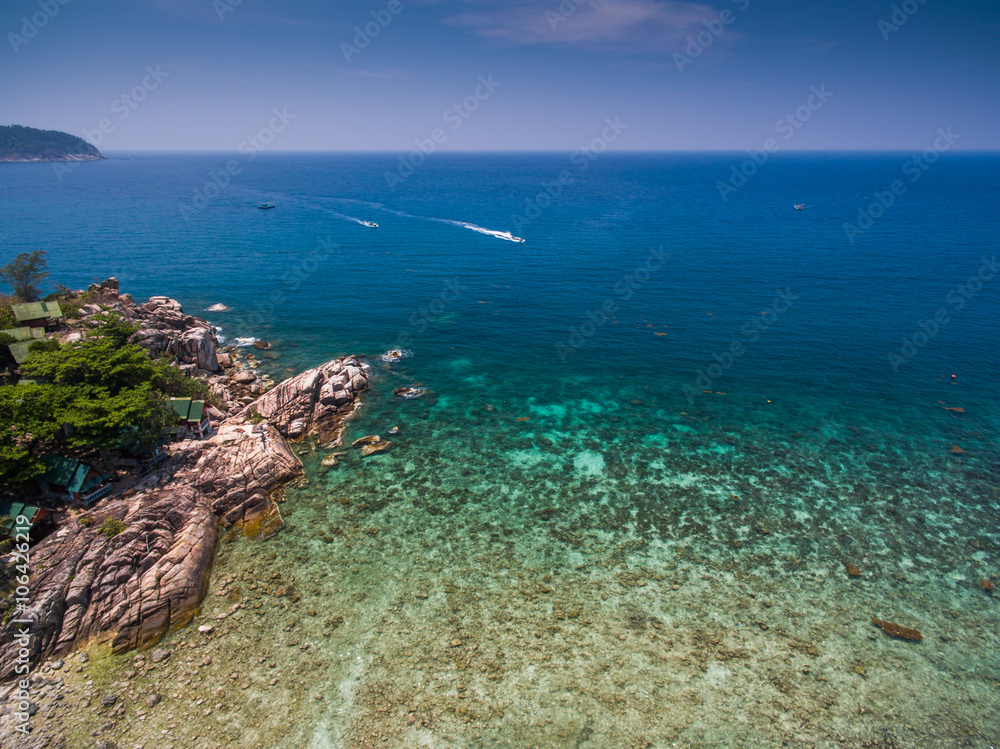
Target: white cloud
point(609, 24)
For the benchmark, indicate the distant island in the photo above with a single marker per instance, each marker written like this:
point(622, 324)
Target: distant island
point(20, 144)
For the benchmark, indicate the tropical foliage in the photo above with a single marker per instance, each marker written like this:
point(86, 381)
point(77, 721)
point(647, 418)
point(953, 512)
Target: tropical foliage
point(23, 273)
point(102, 391)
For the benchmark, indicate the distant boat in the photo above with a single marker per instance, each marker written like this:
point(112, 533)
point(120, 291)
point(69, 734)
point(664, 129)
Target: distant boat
point(265, 206)
point(800, 206)
point(507, 235)
point(372, 224)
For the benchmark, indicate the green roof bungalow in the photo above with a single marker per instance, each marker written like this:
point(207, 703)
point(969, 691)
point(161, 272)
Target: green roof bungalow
point(18, 517)
point(20, 351)
point(25, 334)
point(192, 418)
point(70, 478)
point(37, 314)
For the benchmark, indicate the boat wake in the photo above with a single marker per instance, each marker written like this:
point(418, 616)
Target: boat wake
point(506, 235)
point(483, 230)
point(461, 224)
point(360, 221)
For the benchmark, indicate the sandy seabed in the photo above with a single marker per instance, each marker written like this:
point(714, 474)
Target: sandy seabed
point(663, 580)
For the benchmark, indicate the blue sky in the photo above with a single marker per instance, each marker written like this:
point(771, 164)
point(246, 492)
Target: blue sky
point(559, 71)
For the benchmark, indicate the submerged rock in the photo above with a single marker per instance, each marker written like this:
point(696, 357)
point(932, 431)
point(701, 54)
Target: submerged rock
point(897, 630)
point(369, 440)
point(408, 393)
point(160, 655)
point(394, 355)
point(375, 447)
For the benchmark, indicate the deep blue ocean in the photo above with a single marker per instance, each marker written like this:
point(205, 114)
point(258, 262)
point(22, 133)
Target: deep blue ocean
point(734, 383)
point(723, 264)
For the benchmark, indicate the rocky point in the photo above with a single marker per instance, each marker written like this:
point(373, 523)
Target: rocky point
point(131, 588)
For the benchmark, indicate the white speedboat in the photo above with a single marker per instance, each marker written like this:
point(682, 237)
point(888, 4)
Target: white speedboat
point(372, 224)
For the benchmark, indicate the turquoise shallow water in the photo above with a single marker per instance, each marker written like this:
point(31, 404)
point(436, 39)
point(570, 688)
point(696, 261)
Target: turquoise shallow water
point(621, 556)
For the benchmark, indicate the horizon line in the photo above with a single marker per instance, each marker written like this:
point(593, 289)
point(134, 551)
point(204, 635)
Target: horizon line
point(394, 152)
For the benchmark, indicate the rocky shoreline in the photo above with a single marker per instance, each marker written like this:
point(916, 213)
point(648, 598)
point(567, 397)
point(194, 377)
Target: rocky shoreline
point(36, 158)
point(130, 589)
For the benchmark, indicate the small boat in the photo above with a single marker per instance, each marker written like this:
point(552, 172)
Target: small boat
point(265, 206)
point(800, 206)
point(508, 236)
point(372, 224)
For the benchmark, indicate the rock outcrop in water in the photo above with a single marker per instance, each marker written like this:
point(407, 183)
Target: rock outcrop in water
point(314, 401)
point(132, 587)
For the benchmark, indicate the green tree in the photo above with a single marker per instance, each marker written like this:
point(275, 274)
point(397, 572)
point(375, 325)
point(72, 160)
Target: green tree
point(174, 382)
point(94, 392)
point(96, 417)
point(7, 319)
point(103, 360)
point(28, 425)
point(24, 272)
point(113, 326)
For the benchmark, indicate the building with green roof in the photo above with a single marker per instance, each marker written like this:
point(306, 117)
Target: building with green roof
point(192, 418)
point(83, 484)
point(20, 351)
point(37, 314)
point(13, 510)
point(25, 334)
